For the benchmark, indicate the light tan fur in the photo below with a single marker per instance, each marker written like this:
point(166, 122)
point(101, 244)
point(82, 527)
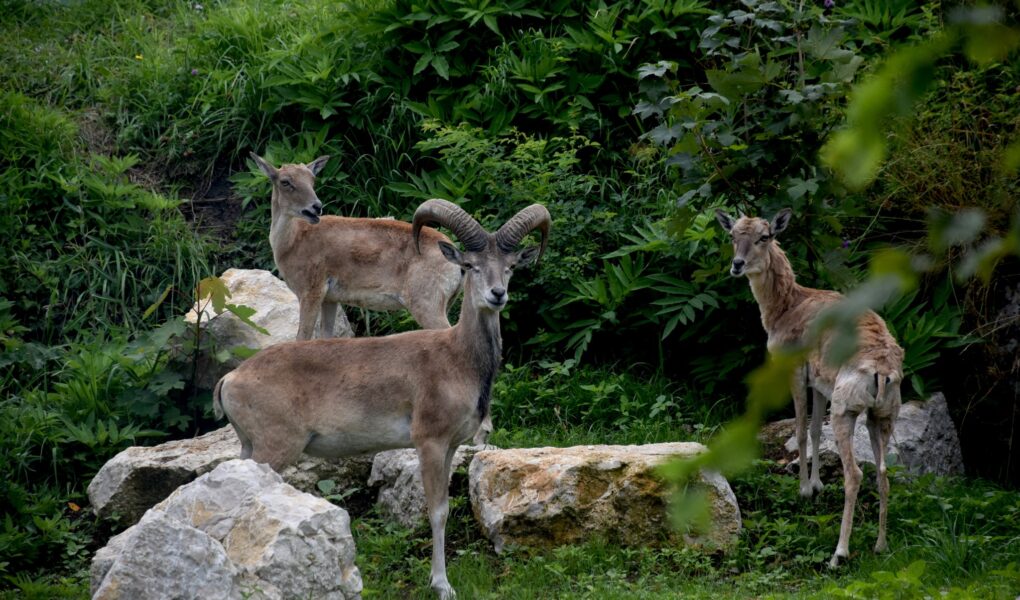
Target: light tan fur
point(372, 263)
point(869, 382)
point(426, 389)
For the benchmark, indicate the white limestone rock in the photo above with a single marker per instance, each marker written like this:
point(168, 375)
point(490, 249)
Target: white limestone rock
point(401, 492)
point(276, 310)
point(544, 497)
point(138, 477)
point(238, 531)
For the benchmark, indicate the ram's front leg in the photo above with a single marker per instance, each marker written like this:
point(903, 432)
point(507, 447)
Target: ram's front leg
point(435, 459)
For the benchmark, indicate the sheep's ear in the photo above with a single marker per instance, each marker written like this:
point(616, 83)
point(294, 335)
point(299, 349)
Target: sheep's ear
point(265, 167)
point(316, 165)
point(725, 221)
point(780, 221)
point(528, 256)
point(451, 253)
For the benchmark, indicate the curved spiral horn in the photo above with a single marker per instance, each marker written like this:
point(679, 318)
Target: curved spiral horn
point(513, 231)
point(456, 219)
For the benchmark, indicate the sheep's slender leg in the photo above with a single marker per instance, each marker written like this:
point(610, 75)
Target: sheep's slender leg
point(817, 416)
point(798, 389)
point(880, 430)
point(435, 459)
point(246, 445)
point(843, 428)
point(308, 311)
point(327, 320)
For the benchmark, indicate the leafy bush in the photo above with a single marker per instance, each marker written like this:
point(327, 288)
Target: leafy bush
point(93, 248)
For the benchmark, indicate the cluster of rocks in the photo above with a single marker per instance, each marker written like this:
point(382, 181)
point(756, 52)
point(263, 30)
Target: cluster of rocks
point(253, 533)
point(203, 524)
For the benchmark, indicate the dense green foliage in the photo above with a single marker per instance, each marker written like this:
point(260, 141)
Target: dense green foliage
point(124, 128)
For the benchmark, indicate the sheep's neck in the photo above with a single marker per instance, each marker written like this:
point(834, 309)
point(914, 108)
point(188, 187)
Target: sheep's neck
point(280, 229)
point(775, 288)
point(479, 335)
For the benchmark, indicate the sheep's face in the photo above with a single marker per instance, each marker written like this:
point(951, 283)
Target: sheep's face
point(294, 188)
point(751, 238)
point(487, 273)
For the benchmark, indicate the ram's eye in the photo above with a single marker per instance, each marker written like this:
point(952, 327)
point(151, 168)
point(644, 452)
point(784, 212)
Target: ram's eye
point(286, 183)
point(764, 238)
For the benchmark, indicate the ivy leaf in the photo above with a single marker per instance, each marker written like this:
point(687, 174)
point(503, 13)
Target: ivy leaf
point(726, 138)
point(845, 71)
point(824, 45)
point(735, 85)
point(664, 135)
point(646, 109)
point(657, 70)
point(791, 96)
point(801, 187)
point(164, 381)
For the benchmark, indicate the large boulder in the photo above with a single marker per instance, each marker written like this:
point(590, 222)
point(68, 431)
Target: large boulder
point(397, 473)
point(238, 531)
point(276, 310)
point(924, 440)
point(544, 497)
point(137, 478)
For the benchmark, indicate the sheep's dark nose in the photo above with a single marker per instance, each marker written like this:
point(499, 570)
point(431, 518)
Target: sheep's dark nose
point(498, 293)
point(317, 207)
point(738, 263)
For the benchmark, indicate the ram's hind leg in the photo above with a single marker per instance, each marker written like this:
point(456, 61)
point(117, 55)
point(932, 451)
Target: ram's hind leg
point(281, 448)
point(817, 417)
point(880, 430)
point(843, 428)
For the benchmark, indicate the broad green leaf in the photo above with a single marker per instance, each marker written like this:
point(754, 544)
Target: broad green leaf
point(442, 67)
point(215, 289)
point(735, 85)
point(422, 63)
point(244, 313)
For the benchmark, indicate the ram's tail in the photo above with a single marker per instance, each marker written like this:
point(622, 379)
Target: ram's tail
point(217, 399)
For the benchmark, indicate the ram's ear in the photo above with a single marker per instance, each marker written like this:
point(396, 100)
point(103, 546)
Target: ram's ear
point(265, 167)
point(780, 221)
point(725, 221)
point(528, 256)
point(451, 253)
point(316, 165)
